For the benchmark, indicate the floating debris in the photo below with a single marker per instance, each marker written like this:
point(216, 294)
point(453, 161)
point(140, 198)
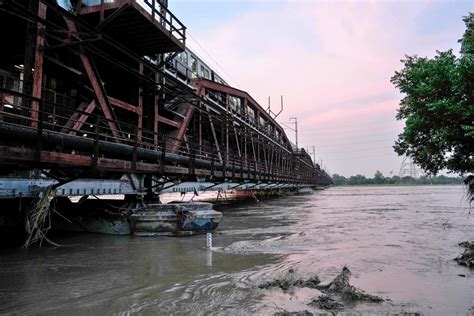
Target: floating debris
point(340, 285)
point(467, 258)
point(282, 284)
point(288, 281)
point(326, 302)
point(333, 292)
point(312, 282)
point(352, 293)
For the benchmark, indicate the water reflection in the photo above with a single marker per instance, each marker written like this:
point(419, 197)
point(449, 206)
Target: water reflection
point(209, 258)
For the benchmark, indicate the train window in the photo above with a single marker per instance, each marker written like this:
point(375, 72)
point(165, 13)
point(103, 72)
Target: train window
point(183, 58)
point(220, 97)
point(235, 104)
point(89, 2)
point(219, 79)
point(204, 72)
point(251, 114)
point(216, 96)
point(193, 64)
point(262, 122)
point(170, 62)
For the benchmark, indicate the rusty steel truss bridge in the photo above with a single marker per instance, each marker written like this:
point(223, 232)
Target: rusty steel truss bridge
point(92, 101)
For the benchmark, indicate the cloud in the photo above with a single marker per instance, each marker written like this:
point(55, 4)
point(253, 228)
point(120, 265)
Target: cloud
point(331, 60)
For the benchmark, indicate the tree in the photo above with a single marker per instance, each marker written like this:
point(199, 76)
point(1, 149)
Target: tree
point(357, 180)
point(395, 180)
point(467, 40)
point(438, 107)
point(378, 177)
point(338, 180)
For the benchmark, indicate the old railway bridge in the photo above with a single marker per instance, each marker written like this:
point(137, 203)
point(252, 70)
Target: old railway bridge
point(101, 97)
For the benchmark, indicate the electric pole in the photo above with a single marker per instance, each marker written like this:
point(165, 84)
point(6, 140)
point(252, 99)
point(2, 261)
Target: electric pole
point(312, 153)
point(295, 121)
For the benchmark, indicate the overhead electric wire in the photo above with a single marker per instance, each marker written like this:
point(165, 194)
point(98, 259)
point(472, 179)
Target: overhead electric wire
point(338, 145)
point(354, 151)
point(361, 126)
point(372, 121)
point(212, 58)
point(362, 157)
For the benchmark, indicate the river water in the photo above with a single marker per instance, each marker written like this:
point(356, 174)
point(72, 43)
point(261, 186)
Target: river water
point(399, 243)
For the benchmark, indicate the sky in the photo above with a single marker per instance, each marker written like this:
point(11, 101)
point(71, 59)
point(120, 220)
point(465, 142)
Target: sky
point(331, 60)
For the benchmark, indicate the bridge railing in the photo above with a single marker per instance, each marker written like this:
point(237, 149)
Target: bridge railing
point(157, 12)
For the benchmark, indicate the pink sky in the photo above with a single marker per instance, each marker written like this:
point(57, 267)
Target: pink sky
point(332, 61)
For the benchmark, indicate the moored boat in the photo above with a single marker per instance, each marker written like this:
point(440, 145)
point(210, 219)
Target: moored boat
point(176, 218)
point(196, 217)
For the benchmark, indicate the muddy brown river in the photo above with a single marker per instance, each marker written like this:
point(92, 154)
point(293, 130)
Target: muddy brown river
point(399, 243)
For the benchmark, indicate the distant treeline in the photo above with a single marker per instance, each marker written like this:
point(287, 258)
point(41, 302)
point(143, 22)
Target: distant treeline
point(379, 178)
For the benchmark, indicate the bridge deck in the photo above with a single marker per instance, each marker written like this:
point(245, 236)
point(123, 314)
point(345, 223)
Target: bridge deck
point(146, 26)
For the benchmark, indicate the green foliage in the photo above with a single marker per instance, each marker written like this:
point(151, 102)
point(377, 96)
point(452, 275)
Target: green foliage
point(379, 179)
point(438, 107)
point(467, 40)
point(338, 180)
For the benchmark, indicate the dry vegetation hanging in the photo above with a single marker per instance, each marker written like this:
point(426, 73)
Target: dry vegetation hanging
point(38, 219)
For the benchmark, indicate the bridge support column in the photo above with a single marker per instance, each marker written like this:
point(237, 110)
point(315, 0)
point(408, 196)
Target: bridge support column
point(149, 186)
point(156, 115)
point(140, 106)
point(38, 66)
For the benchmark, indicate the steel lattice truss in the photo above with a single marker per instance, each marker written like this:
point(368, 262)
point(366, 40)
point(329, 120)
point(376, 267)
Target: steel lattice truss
point(85, 92)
